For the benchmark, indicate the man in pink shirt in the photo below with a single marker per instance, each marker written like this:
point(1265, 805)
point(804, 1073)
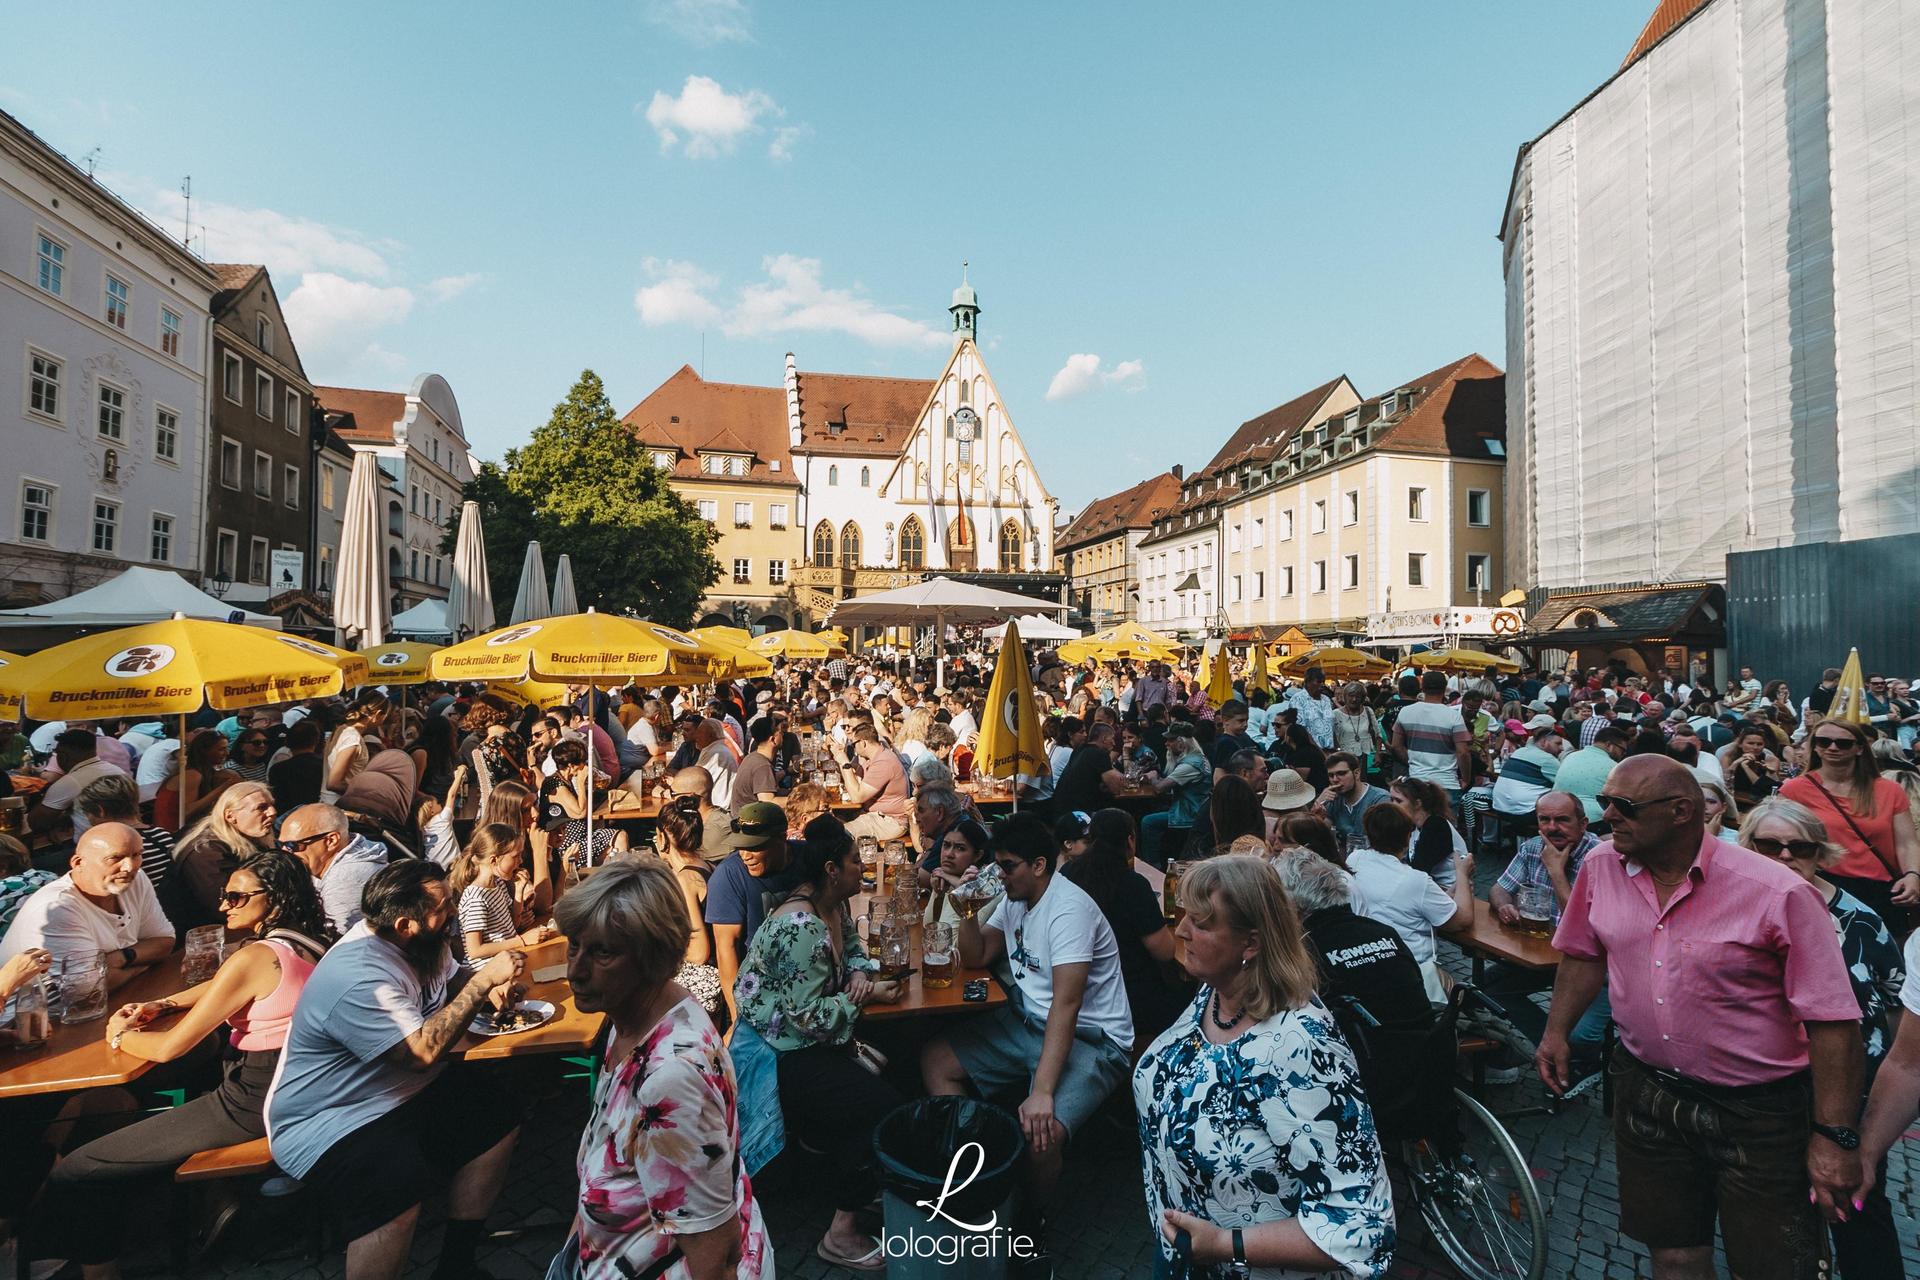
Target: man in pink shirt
point(1738, 1067)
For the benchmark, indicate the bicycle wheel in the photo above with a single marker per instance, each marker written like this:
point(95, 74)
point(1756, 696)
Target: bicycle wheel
point(1481, 1205)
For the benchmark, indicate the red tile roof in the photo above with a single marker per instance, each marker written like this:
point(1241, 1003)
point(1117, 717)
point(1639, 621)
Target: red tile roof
point(375, 413)
point(235, 275)
point(1291, 416)
point(689, 414)
point(842, 413)
point(1668, 15)
point(1132, 508)
point(1457, 409)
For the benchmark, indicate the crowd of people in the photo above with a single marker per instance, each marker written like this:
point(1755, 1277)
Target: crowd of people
point(1727, 873)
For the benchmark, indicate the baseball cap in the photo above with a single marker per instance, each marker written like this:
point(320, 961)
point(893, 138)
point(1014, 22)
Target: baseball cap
point(1541, 722)
point(1516, 727)
point(760, 825)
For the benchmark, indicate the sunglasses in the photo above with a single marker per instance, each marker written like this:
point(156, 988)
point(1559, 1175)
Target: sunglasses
point(234, 898)
point(1798, 848)
point(295, 846)
point(1834, 744)
point(1630, 809)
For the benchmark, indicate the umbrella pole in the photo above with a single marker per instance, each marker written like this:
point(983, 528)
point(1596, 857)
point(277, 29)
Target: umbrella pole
point(180, 778)
point(592, 757)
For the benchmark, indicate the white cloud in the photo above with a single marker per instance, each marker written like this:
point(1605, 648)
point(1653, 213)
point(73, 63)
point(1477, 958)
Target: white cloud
point(791, 298)
point(781, 148)
point(703, 22)
point(289, 246)
point(330, 313)
point(447, 288)
point(706, 117)
point(677, 296)
point(1082, 373)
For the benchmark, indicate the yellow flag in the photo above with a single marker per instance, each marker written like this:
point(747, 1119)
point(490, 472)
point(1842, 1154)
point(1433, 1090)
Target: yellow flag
point(1850, 695)
point(1010, 745)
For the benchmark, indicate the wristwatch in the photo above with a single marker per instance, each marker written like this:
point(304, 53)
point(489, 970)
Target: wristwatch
point(127, 956)
point(1238, 1268)
point(1839, 1135)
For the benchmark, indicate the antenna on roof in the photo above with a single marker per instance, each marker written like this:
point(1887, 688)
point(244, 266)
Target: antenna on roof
point(91, 159)
point(186, 216)
point(703, 355)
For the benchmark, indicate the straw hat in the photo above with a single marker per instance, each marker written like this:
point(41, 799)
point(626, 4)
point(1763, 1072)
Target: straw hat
point(1287, 791)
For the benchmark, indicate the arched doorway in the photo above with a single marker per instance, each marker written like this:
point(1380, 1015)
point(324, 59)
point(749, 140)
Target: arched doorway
point(963, 544)
point(770, 622)
point(714, 620)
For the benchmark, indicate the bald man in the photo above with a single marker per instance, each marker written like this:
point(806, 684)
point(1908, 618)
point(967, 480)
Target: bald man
point(340, 861)
point(1738, 1067)
point(716, 824)
point(103, 906)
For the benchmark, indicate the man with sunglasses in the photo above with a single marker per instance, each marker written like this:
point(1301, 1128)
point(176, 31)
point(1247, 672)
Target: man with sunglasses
point(1063, 1044)
point(340, 861)
point(1738, 1066)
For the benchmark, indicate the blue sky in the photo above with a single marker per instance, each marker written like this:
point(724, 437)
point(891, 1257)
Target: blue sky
point(1178, 216)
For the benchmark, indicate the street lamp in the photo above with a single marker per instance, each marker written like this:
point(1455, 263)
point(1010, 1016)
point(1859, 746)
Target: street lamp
point(219, 584)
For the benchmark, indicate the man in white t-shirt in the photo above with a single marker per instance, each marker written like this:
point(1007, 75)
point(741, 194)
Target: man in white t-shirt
point(362, 1108)
point(156, 765)
point(102, 907)
point(717, 758)
point(1065, 1047)
point(74, 750)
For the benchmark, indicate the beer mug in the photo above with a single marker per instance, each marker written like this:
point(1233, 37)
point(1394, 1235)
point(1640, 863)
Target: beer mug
point(896, 946)
point(879, 911)
point(1535, 904)
point(1170, 894)
point(201, 959)
point(30, 1017)
point(899, 867)
point(937, 956)
point(83, 987)
point(869, 863)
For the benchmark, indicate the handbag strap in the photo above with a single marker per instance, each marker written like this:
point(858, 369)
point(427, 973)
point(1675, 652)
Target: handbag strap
point(1893, 869)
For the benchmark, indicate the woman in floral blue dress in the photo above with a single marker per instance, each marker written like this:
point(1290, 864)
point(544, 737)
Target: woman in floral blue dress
point(1258, 1142)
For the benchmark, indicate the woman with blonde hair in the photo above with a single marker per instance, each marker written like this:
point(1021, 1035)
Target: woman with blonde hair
point(240, 828)
point(1723, 815)
point(807, 801)
point(1260, 1054)
point(346, 751)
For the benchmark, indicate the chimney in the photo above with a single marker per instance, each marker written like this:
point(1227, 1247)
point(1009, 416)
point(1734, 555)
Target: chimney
point(1179, 472)
point(793, 403)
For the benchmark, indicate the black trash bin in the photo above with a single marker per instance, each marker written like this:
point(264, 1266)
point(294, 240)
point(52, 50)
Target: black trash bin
point(921, 1146)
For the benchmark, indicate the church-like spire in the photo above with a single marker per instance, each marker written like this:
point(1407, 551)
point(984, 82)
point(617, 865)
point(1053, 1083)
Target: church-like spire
point(965, 309)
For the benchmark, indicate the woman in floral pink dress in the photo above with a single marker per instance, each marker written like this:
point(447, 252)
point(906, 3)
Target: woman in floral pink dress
point(662, 1189)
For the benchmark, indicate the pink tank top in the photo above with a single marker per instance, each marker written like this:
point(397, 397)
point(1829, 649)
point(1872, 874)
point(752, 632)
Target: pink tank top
point(263, 1024)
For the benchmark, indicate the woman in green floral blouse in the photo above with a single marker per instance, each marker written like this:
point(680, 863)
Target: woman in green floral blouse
point(801, 987)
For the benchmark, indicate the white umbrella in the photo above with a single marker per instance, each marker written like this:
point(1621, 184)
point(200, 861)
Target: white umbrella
point(360, 586)
point(1034, 627)
point(939, 601)
point(564, 600)
point(470, 598)
point(532, 602)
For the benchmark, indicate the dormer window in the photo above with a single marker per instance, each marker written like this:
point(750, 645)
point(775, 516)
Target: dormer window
point(663, 460)
point(1389, 404)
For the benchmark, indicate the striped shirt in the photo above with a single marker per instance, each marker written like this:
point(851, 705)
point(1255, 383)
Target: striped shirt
point(1434, 732)
point(487, 911)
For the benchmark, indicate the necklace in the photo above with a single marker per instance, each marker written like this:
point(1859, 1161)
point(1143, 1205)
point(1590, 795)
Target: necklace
point(1225, 1024)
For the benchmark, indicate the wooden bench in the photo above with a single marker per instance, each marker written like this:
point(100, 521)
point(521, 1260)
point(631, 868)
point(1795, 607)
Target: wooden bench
point(238, 1161)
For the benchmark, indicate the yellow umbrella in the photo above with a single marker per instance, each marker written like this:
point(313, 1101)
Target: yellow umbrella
point(833, 636)
point(585, 647)
point(732, 635)
point(1258, 678)
point(791, 644)
point(1850, 695)
point(740, 660)
point(1010, 745)
point(400, 663)
point(1339, 664)
point(1464, 661)
point(531, 693)
point(1128, 640)
point(9, 702)
point(1216, 676)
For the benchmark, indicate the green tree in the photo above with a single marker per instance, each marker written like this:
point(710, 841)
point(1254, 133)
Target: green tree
point(585, 487)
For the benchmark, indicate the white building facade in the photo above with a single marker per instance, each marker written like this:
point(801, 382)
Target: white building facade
point(104, 333)
point(1713, 307)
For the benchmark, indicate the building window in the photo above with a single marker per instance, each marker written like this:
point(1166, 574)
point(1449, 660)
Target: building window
point(709, 509)
point(823, 544)
point(833, 475)
point(293, 410)
point(1286, 580)
point(413, 570)
point(290, 480)
point(226, 553)
point(1416, 503)
point(850, 545)
point(664, 461)
point(229, 463)
point(160, 546)
point(1233, 589)
point(53, 265)
point(413, 499)
point(116, 303)
point(43, 385)
point(1257, 533)
point(170, 332)
point(263, 395)
point(1259, 585)
point(259, 556)
point(1351, 580)
point(866, 477)
point(262, 475)
point(112, 420)
point(743, 515)
point(166, 435)
point(1233, 537)
point(326, 487)
point(106, 527)
point(1010, 547)
point(1319, 576)
point(1350, 507)
point(1479, 571)
point(1320, 516)
point(263, 334)
point(1417, 569)
point(323, 575)
point(777, 572)
point(36, 512)
point(1479, 508)
point(776, 515)
point(230, 378)
point(1286, 525)
point(742, 570)
point(913, 544)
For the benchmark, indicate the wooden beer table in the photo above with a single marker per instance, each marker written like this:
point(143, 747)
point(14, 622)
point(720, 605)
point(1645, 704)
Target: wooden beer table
point(920, 1000)
point(1487, 939)
point(571, 1031)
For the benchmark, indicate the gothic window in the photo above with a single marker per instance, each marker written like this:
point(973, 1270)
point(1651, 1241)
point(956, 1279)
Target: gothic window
point(1010, 547)
point(850, 545)
point(965, 391)
point(913, 544)
point(823, 544)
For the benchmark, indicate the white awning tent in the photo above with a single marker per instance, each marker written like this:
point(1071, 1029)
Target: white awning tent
point(427, 620)
point(939, 602)
point(137, 595)
point(1034, 626)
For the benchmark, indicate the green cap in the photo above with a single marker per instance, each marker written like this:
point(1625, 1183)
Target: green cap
point(760, 825)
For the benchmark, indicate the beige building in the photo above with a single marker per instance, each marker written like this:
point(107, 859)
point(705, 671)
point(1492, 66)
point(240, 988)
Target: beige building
point(725, 448)
point(1385, 506)
point(1099, 552)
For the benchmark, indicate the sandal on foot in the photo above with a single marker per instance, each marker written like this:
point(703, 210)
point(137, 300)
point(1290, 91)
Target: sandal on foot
point(872, 1260)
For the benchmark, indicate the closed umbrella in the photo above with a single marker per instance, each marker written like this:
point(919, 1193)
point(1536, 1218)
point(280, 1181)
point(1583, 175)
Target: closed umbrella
point(1216, 675)
point(470, 598)
point(1010, 745)
point(360, 586)
point(564, 599)
point(1258, 678)
point(532, 603)
point(1850, 695)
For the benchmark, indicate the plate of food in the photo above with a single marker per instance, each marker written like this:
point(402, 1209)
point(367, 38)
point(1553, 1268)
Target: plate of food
point(524, 1016)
